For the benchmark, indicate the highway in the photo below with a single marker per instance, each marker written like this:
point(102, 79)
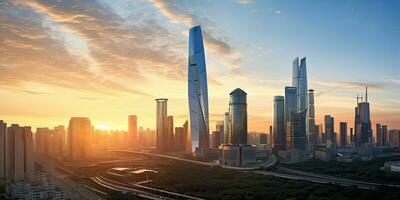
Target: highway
point(319, 178)
point(72, 190)
point(140, 190)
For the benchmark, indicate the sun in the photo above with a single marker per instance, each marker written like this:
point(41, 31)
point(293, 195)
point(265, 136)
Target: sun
point(102, 127)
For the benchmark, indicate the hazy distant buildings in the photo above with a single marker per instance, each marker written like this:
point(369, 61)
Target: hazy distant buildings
point(180, 137)
point(278, 134)
point(379, 135)
point(132, 128)
point(3, 145)
point(311, 135)
point(19, 154)
point(329, 130)
point(162, 125)
point(197, 90)
point(238, 116)
point(343, 134)
point(79, 131)
point(227, 125)
point(394, 138)
point(385, 135)
point(363, 131)
point(170, 133)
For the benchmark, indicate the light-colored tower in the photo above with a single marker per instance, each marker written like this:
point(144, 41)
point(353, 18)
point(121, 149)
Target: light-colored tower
point(19, 155)
point(79, 131)
point(3, 131)
point(161, 126)
point(238, 116)
point(227, 126)
point(132, 128)
point(197, 91)
point(278, 134)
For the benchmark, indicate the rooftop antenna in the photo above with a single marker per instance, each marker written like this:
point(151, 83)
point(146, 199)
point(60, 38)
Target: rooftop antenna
point(366, 93)
point(357, 98)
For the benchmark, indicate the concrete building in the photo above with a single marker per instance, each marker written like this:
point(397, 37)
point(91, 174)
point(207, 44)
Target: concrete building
point(343, 134)
point(379, 136)
point(278, 134)
point(19, 154)
point(162, 125)
point(3, 145)
point(132, 129)
point(237, 155)
point(238, 116)
point(197, 93)
point(394, 138)
point(170, 133)
point(79, 133)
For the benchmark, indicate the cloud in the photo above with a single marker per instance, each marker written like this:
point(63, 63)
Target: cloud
point(219, 45)
point(278, 12)
point(244, 1)
point(395, 80)
point(118, 53)
point(378, 87)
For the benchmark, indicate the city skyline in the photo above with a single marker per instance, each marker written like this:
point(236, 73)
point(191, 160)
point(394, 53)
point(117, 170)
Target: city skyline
point(260, 64)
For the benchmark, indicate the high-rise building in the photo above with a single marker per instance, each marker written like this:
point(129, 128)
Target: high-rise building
point(180, 137)
point(329, 130)
point(60, 130)
point(318, 133)
point(343, 134)
point(170, 133)
point(19, 155)
point(42, 141)
point(215, 139)
point(220, 128)
point(290, 111)
point(363, 131)
point(299, 80)
point(394, 138)
point(278, 135)
point(379, 135)
point(197, 91)
point(227, 125)
point(3, 132)
point(312, 137)
point(385, 135)
point(162, 125)
point(238, 116)
point(263, 138)
point(132, 128)
point(79, 131)
point(351, 136)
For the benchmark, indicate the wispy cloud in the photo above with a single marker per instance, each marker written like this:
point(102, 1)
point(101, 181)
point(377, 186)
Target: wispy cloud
point(244, 1)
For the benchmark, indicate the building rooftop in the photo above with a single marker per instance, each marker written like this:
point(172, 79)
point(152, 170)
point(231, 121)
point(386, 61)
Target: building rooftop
point(238, 91)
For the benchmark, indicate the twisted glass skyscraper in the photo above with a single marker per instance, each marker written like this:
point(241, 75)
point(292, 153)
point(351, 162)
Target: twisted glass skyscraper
point(197, 91)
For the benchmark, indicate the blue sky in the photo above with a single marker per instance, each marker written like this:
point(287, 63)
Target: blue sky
point(107, 59)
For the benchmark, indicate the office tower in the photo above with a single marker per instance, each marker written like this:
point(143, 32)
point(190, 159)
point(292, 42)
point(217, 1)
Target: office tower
point(317, 133)
point(279, 124)
point(215, 139)
point(379, 135)
point(238, 116)
point(170, 133)
point(56, 142)
point(351, 136)
point(3, 131)
point(185, 136)
point(363, 131)
point(385, 135)
point(329, 130)
point(220, 128)
point(132, 128)
point(290, 111)
point(19, 155)
point(394, 138)
point(79, 131)
point(197, 91)
point(180, 137)
point(299, 80)
point(271, 130)
point(60, 130)
point(311, 136)
point(343, 134)
point(161, 126)
point(227, 125)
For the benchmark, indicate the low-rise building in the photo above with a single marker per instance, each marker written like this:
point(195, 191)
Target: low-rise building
point(237, 155)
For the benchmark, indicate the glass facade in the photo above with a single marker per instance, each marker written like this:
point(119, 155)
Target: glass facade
point(279, 123)
point(161, 126)
point(197, 91)
point(238, 116)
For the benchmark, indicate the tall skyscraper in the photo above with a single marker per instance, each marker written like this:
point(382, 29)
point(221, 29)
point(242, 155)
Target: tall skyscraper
point(161, 126)
point(220, 128)
point(363, 131)
point(343, 134)
point(170, 133)
point(299, 80)
point(290, 112)
point(278, 134)
point(197, 91)
point(3, 131)
point(79, 131)
point(132, 128)
point(42, 136)
point(60, 130)
point(312, 137)
point(329, 130)
point(385, 135)
point(351, 136)
point(19, 156)
point(238, 116)
point(227, 125)
point(379, 136)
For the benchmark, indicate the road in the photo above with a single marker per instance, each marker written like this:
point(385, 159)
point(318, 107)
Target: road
point(140, 190)
point(72, 190)
point(319, 178)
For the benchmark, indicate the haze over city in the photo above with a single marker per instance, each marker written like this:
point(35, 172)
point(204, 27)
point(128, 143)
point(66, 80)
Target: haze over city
point(108, 59)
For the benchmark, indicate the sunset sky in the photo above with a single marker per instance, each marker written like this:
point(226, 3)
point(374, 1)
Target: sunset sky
point(108, 59)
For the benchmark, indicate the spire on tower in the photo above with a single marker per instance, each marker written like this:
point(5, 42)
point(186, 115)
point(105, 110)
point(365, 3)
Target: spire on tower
point(366, 93)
